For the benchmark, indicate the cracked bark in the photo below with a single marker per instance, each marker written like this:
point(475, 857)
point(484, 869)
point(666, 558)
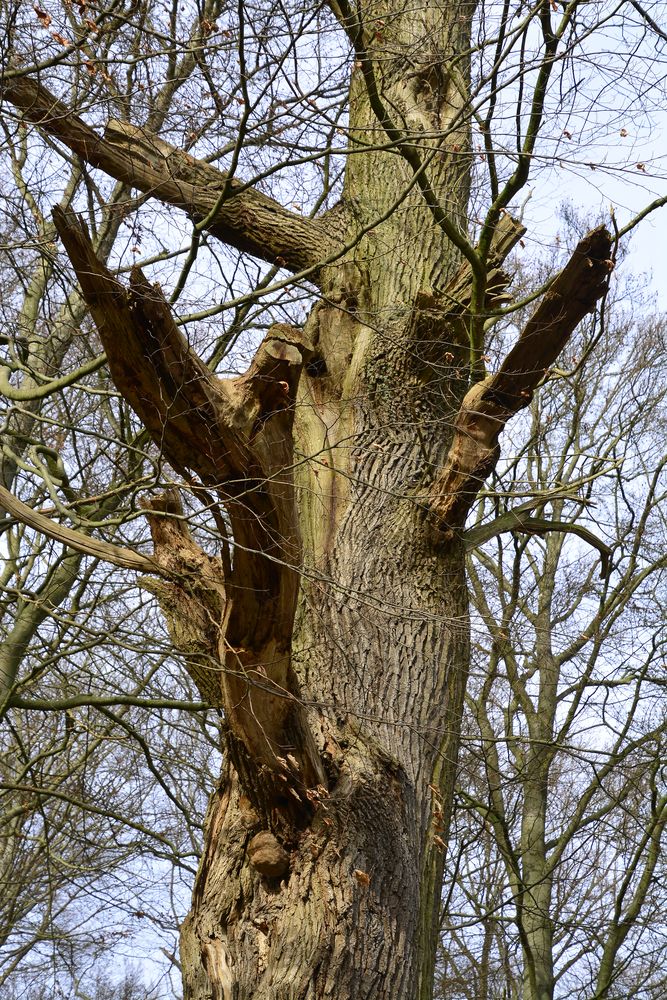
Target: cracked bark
point(336, 636)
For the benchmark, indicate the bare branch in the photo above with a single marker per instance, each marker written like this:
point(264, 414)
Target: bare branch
point(238, 215)
point(523, 520)
point(76, 540)
point(58, 704)
point(489, 404)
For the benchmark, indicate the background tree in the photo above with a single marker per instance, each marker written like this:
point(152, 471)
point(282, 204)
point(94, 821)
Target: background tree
point(102, 802)
point(318, 594)
point(559, 842)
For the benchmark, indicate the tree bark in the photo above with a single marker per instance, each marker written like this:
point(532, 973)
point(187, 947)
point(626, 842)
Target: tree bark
point(335, 634)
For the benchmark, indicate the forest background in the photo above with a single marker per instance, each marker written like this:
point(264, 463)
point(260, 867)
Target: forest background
point(547, 826)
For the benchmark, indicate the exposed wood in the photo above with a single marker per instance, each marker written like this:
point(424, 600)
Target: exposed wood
point(192, 598)
point(507, 234)
point(244, 218)
point(309, 930)
point(182, 404)
point(489, 404)
point(236, 436)
point(456, 295)
point(448, 308)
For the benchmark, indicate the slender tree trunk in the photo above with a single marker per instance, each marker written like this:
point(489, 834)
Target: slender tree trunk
point(536, 867)
point(537, 882)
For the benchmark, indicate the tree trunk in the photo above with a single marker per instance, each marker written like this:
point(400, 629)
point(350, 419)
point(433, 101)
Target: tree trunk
point(334, 631)
point(380, 643)
point(381, 652)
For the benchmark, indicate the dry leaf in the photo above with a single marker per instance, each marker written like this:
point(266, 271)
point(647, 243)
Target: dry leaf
point(44, 18)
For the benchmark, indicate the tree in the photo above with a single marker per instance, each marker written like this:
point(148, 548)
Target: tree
point(100, 823)
point(327, 617)
point(558, 843)
point(101, 800)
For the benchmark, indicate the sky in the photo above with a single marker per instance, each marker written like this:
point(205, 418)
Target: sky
point(627, 176)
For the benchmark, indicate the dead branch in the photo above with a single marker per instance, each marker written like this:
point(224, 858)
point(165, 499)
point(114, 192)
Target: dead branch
point(489, 404)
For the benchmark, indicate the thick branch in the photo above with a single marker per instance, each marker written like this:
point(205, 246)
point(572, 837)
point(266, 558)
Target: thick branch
point(572, 295)
point(244, 218)
point(193, 600)
point(199, 421)
point(236, 435)
point(183, 406)
point(489, 404)
point(115, 554)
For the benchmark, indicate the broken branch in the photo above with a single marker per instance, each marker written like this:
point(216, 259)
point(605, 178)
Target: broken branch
point(235, 434)
point(489, 404)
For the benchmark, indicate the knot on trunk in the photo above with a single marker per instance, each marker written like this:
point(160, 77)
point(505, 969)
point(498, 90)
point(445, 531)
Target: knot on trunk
point(267, 856)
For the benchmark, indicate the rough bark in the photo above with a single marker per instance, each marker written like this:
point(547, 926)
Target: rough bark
point(335, 636)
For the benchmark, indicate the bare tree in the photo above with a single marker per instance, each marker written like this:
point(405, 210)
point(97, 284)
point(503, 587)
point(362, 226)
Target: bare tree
point(102, 787)
point(317, 593)
point(561, 834)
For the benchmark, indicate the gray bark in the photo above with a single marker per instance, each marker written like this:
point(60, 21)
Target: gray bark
point(346, 459)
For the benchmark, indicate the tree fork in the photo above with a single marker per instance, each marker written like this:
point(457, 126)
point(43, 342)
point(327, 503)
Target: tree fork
point(236, 435)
